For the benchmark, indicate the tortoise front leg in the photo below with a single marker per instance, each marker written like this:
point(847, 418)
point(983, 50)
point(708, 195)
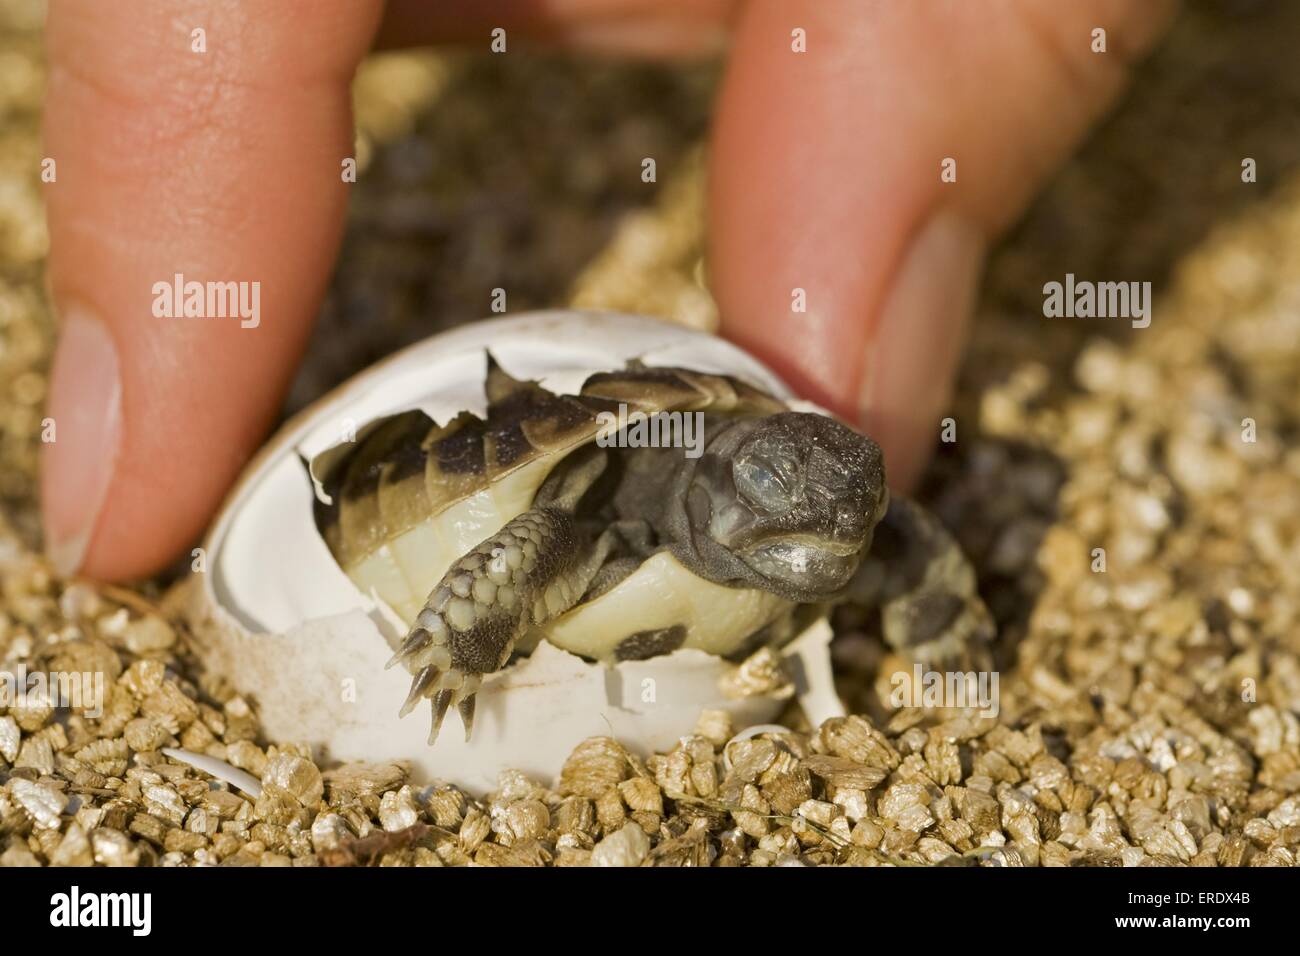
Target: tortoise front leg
point(529, 572)
point(925, 588)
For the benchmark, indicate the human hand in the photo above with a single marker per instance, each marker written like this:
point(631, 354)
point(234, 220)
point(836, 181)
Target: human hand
point(825, 177)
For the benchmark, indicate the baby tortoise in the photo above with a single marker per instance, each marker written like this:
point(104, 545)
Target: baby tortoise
point(532, 524)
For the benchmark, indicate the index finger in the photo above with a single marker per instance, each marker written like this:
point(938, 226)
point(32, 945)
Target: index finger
point(205, 142)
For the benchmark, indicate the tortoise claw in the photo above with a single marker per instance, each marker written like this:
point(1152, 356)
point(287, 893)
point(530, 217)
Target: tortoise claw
point(419, 640)
point(419, 685)
point(441, 701)
point(444, 689)
point(466, 708)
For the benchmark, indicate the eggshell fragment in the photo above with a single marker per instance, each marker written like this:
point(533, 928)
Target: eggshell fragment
point(276, 616)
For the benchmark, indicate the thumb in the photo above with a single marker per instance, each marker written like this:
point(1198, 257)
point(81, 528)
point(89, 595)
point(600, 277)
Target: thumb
point(826, 182)
point(217, 158)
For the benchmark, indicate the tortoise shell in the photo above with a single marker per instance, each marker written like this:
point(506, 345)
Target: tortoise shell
point(410, 496)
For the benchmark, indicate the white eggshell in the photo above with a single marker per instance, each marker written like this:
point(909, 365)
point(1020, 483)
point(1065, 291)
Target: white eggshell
point(275, 615)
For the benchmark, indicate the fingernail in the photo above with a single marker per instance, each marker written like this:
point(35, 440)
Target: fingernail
point(86, 408)
point(913, 355)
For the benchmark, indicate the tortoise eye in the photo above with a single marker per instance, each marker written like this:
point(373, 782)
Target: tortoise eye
point(761, 483)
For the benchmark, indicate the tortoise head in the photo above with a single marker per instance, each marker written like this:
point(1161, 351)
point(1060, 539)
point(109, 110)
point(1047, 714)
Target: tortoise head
point(794, 497)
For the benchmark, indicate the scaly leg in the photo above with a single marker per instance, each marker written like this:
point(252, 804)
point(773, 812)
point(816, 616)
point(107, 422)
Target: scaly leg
point(926, 590)
point(529, 572)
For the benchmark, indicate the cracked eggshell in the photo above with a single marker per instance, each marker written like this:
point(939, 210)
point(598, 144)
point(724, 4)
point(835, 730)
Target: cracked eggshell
point(276, 616)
